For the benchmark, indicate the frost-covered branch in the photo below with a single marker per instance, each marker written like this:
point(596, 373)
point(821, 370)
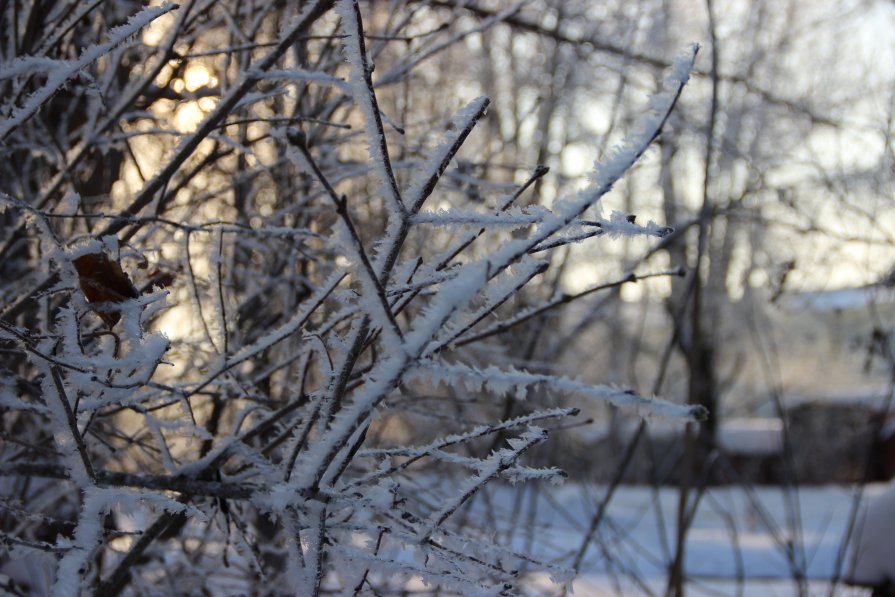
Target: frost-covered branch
point(361, 82)
point(501, 381)
point(563, 299)
point(489, 468)
point(251, 334)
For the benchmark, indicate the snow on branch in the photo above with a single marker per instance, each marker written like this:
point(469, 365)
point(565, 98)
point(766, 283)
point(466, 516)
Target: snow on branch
point(428, 173)
point(513, 218)
point(427, 176)
point(622, 224)
point(302, 75)
point(409, 455)
point(497, 293)
point(607, 172)
point(361, 84)
point(492, 466)
point(59, 72)
point(498, 381)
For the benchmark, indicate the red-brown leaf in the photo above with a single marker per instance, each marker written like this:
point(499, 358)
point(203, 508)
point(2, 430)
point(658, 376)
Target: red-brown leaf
point(103, 281)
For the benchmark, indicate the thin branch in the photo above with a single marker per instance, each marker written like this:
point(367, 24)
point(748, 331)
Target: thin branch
point(563, 299)
point(365, 95)
point(341, 204)
point(72, 423)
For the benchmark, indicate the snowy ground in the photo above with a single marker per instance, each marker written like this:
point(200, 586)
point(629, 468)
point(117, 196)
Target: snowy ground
point(738, 543)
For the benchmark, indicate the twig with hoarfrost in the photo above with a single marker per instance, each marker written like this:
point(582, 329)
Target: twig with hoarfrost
point(558, 301)
point(489, 468)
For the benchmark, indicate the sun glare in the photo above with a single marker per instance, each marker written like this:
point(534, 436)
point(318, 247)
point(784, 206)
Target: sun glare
point(188, 117)
point(196, 77)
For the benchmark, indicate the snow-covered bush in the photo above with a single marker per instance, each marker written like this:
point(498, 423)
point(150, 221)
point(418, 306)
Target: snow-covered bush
point(250, 340)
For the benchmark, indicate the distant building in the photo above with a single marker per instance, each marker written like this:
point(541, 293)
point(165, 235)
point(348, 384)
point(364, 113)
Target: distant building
point(823, 441)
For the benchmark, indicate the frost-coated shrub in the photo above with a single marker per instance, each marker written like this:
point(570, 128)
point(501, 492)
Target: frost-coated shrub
point(251, 316)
